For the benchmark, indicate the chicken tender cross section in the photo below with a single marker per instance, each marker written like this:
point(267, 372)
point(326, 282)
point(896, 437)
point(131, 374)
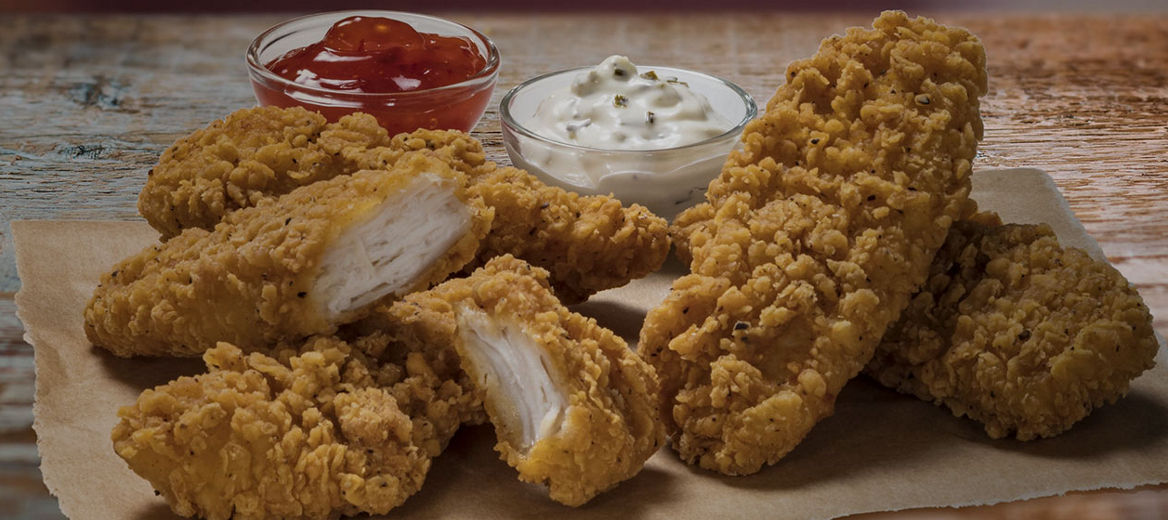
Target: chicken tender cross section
point(572, 406)
point(1017, 332)
point(394, 246)
point(257, 279)
point(523, 385)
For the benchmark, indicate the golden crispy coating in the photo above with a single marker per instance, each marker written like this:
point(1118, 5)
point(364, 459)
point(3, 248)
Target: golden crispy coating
point(259, 277)
point(588, 244)
point(246, 157)
point(311, 432)
point(818, 233)
point(458, 149)
point(684, 225)
point(606, 424)
point(1017, 332)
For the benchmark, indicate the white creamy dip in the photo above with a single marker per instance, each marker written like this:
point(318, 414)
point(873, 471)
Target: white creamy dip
point(653, 137)
point(614, 107)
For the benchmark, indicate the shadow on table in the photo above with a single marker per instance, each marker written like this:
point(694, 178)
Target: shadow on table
point(868, 435)
point(623, 319)
point(468, 480)
point(147, 372)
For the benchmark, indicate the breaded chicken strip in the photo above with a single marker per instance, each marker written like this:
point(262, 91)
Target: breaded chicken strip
point(1017, 332)
point(572, 406)
point(458, 149)
point(312, 432)
point(589, 244)
point(291, 266)
point(819, 231)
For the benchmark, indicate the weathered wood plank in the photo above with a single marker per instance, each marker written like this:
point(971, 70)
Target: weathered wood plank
point(22, 494)
point(16, 376)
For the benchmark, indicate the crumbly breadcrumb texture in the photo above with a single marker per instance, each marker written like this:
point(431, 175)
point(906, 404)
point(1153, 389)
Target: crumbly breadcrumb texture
point(587, 244)
point(611, 425)
point(1016, 332)
point(310, 432)
point(817, 234)
point(246, 157)
point(684, 225)
point(250, 280)
point(458, 149)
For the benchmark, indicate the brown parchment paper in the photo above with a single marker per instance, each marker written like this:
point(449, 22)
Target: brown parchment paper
point(881, 451)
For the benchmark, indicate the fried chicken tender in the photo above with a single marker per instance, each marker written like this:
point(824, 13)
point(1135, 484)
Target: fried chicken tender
point(1017, 332)
point(291, 266)
point(815, 237)
point(573, 407)
point(589, 244)
point(308, 432)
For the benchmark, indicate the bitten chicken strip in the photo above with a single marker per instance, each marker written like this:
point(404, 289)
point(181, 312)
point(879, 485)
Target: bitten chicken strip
point(310, 432)
point(291, 266)
point(573, 407)
point(589, 244)
point(819, 231)
point(1017, 332)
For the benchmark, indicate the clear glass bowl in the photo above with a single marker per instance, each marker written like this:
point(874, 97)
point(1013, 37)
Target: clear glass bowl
point(665, 180)
point(458, 106)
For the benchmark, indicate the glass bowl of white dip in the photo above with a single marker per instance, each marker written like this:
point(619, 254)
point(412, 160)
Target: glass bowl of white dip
point(612, 141)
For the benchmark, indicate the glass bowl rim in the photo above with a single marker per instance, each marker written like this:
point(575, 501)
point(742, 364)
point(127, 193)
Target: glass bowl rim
point(488, 72)
point(510, 121)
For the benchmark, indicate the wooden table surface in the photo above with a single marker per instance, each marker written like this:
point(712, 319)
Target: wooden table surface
point(88, 103)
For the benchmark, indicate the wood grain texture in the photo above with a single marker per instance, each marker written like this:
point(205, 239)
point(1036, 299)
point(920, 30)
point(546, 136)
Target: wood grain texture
point(88, 103)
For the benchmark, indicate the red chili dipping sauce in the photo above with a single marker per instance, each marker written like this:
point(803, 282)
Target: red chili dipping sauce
point(364, 54)
point(388, 69)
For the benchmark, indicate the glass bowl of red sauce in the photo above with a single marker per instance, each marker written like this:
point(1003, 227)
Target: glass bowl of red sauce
point(408, 70)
